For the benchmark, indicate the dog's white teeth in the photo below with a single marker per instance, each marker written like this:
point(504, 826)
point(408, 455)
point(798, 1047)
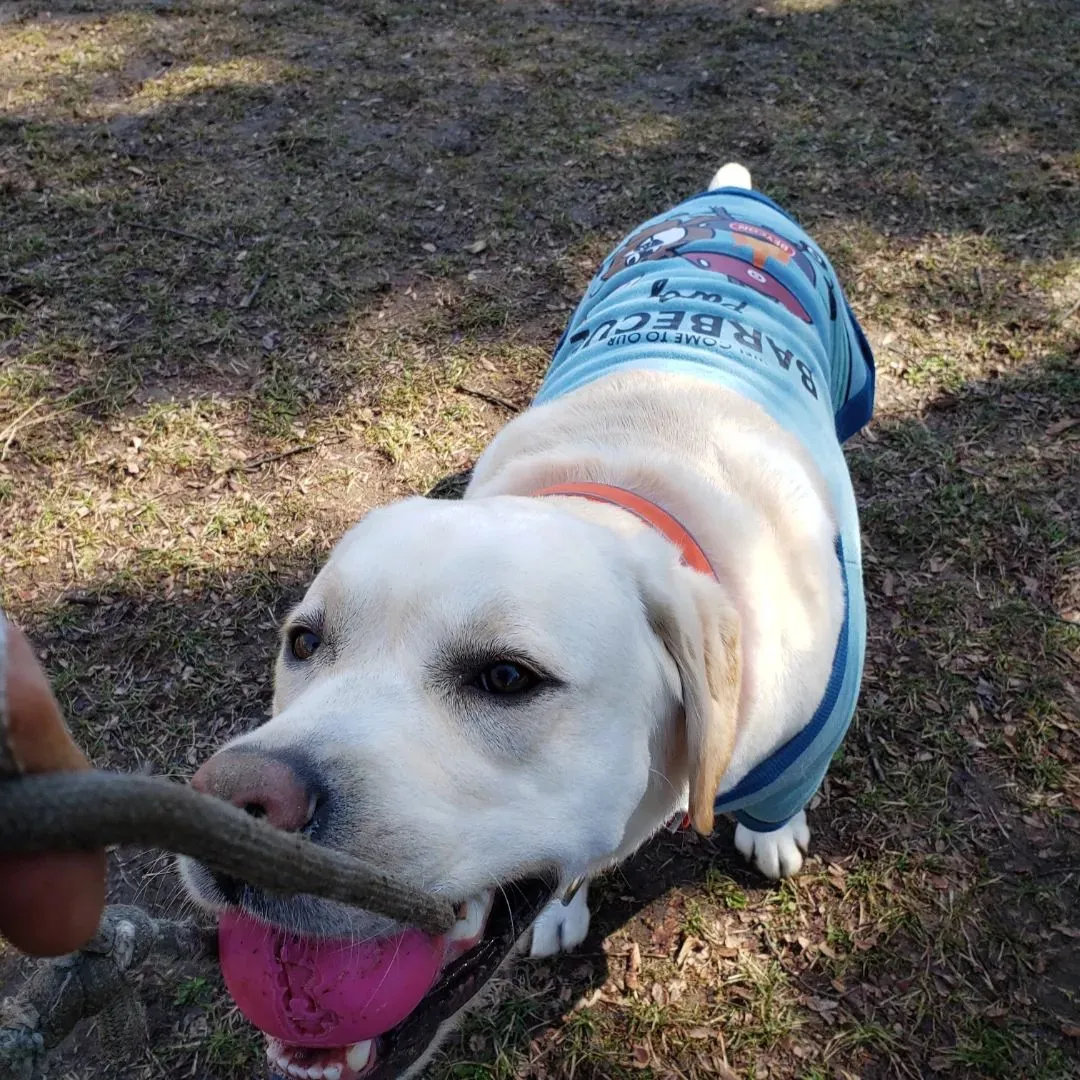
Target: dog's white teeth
point(358, 1054)
point(280, 1057)
point(472, 917)
point(276, 1055)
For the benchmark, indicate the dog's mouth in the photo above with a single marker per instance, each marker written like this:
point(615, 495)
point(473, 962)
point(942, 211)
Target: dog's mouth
point(368, 1010)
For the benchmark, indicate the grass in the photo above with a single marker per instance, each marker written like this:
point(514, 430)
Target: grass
point(265, 267)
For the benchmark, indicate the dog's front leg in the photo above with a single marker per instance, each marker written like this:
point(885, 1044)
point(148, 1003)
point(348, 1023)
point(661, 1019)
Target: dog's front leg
point(561, 927)
point(778, 853)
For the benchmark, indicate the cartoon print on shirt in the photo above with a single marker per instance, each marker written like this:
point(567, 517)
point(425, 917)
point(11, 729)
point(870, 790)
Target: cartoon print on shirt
point(670, 238)
point(660, 241)
point(667, 238)
point(765, 244)
point(743, 273)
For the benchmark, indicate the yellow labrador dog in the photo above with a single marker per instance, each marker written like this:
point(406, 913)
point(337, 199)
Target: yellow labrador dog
point(646, 610)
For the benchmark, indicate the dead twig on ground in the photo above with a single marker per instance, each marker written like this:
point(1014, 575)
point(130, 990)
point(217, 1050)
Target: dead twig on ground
point(1068, 313)
point(259, 463)
point(178, 233)
point(879, 772)
point(249, 299)
point(491, 399)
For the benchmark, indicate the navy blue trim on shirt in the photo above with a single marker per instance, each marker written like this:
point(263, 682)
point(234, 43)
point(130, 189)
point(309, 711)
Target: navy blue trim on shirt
point(778, 762)
point(855, 413)
point(756, 824)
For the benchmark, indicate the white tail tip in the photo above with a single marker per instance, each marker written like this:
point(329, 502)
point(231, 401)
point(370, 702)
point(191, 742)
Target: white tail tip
point(731, 175)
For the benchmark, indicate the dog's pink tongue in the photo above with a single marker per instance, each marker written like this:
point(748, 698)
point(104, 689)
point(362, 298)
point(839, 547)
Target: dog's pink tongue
point(320, 993)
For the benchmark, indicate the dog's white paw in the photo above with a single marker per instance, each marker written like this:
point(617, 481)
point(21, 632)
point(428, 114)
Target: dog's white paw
point(559, 928)
point(778, 853)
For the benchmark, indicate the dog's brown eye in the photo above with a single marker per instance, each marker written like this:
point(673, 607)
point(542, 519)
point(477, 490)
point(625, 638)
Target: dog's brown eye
point(303, 642)
point(505, 677)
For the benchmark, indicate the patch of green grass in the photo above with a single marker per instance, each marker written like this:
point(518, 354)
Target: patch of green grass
point(863, 1036)
point(235, 1051)
point(785, 898)
point(723, 890)
point(839, 937)
point(771, 1014)
point(1003, 1051)
point(194, 991)
point(695, 919)
point(989, 1049)
point(281, 401)
point(937, 370)
point(644, 1016)
point(248, 519)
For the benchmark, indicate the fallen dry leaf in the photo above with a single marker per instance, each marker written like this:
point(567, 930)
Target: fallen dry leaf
point(820, 1005)
point(723, 1070)
point(684, 950)
point(1061, 425)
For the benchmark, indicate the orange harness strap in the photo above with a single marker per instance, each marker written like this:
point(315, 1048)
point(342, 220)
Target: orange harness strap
point(647, 511)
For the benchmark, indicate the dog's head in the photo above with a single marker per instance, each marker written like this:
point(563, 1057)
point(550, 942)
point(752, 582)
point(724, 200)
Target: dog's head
point(477, 693)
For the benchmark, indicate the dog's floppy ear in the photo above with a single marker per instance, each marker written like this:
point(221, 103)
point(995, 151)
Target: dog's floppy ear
point(691, 615)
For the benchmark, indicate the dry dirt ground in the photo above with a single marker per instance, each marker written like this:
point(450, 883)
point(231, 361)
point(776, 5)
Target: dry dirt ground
point(267, 263)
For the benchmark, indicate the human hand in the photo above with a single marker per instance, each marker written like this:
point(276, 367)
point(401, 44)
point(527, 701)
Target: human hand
point(49, 904)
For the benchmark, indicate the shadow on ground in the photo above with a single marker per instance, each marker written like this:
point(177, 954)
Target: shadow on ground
point(199, 198)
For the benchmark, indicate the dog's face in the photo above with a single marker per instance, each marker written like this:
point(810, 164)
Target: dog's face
point(484, 691)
